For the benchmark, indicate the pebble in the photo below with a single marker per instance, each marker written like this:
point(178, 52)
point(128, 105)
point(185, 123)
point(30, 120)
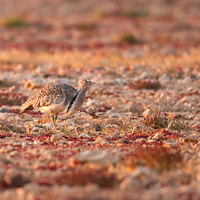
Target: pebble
point(11, 142)
point(116, 133)
point(9, 149)
point(98, 128)
point(70, 127)
point(37, 142)
point(84, 135)
point(14, 135)
point(3, 110)
point(145, 174)
point(187, 81)
point(102, 141)
point(55, 137)
point(141, 140)
point(35, 129)
point(24, 144)
point(90, 103)
point(145, 74)
point(188, 102)
point(170, 144)
point(146, 112)
point(157, 136)
point(88, 125)
point(131, 184)
point(13, 153)
point(96, 157)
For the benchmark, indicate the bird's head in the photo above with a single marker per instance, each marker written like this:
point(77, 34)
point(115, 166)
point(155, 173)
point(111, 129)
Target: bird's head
point(85, 84)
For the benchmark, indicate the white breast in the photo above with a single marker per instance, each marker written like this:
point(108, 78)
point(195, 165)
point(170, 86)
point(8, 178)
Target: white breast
point(54, 108)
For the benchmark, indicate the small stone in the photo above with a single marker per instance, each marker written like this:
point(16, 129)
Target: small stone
point(9, 149)
point(124, 141)
point(37, 142)
point(187, 81)
point(116, 133)
point(145, 174)
point(48, 140)
point(35, 129)
point(70, 127)
point(11, 142)
point(145, 74)
point(157, 136)
point(119, 144)
point(3, 110)
point(15, 134)
point(141, 140)
point(55, 137)
point(97, 157)
point(146, 113)
point(20, 193)
point(13, 153)
point(90, 103)
point(84, 135)
point(23, 144)
point(49, 126)
point(170, 144)
point(98, 127)
point(88, 125)
point(102, 141)
point(131, 184)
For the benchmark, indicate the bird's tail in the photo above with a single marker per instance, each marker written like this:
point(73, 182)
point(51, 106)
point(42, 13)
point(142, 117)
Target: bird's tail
point(25, 108)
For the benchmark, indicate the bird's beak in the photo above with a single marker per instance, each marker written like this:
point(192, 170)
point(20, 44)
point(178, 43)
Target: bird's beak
point(93, 83)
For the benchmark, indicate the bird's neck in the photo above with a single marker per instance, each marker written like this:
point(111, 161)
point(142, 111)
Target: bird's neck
point(81, 95)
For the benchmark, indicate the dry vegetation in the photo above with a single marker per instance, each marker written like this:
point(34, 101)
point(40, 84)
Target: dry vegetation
point(137, 134)
point(156, 157)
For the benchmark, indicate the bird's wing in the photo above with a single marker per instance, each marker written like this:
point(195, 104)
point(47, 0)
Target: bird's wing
point(54, 94)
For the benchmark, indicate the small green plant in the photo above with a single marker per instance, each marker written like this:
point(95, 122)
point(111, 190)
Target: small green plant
point(177, 124)
point(82, 26)
point(174, 72)
point(15, 22)
point(156, 121)
point(134, 13)
point(86, 26)
point(129, 39)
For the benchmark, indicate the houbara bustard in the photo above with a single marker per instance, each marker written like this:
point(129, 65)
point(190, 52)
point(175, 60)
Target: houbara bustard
point(56, 98)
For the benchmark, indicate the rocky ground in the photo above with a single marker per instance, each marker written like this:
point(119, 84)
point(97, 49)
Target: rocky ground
point(137, 134)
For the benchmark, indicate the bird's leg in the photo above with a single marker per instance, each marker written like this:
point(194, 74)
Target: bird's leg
point(55, 116)
point(53, 119)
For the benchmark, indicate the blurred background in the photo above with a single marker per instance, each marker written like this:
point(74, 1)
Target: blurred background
point(80, 24)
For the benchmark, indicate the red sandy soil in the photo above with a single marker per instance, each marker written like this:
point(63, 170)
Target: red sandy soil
point(137, 134)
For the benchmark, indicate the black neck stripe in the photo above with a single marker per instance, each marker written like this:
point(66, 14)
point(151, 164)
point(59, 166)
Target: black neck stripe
point(72, 102)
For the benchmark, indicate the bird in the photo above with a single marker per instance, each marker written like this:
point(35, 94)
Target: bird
point(56, 98)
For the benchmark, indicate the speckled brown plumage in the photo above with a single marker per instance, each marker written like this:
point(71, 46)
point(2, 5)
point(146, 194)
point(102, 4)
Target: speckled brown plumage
point(57, 98)
point(52, 94)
